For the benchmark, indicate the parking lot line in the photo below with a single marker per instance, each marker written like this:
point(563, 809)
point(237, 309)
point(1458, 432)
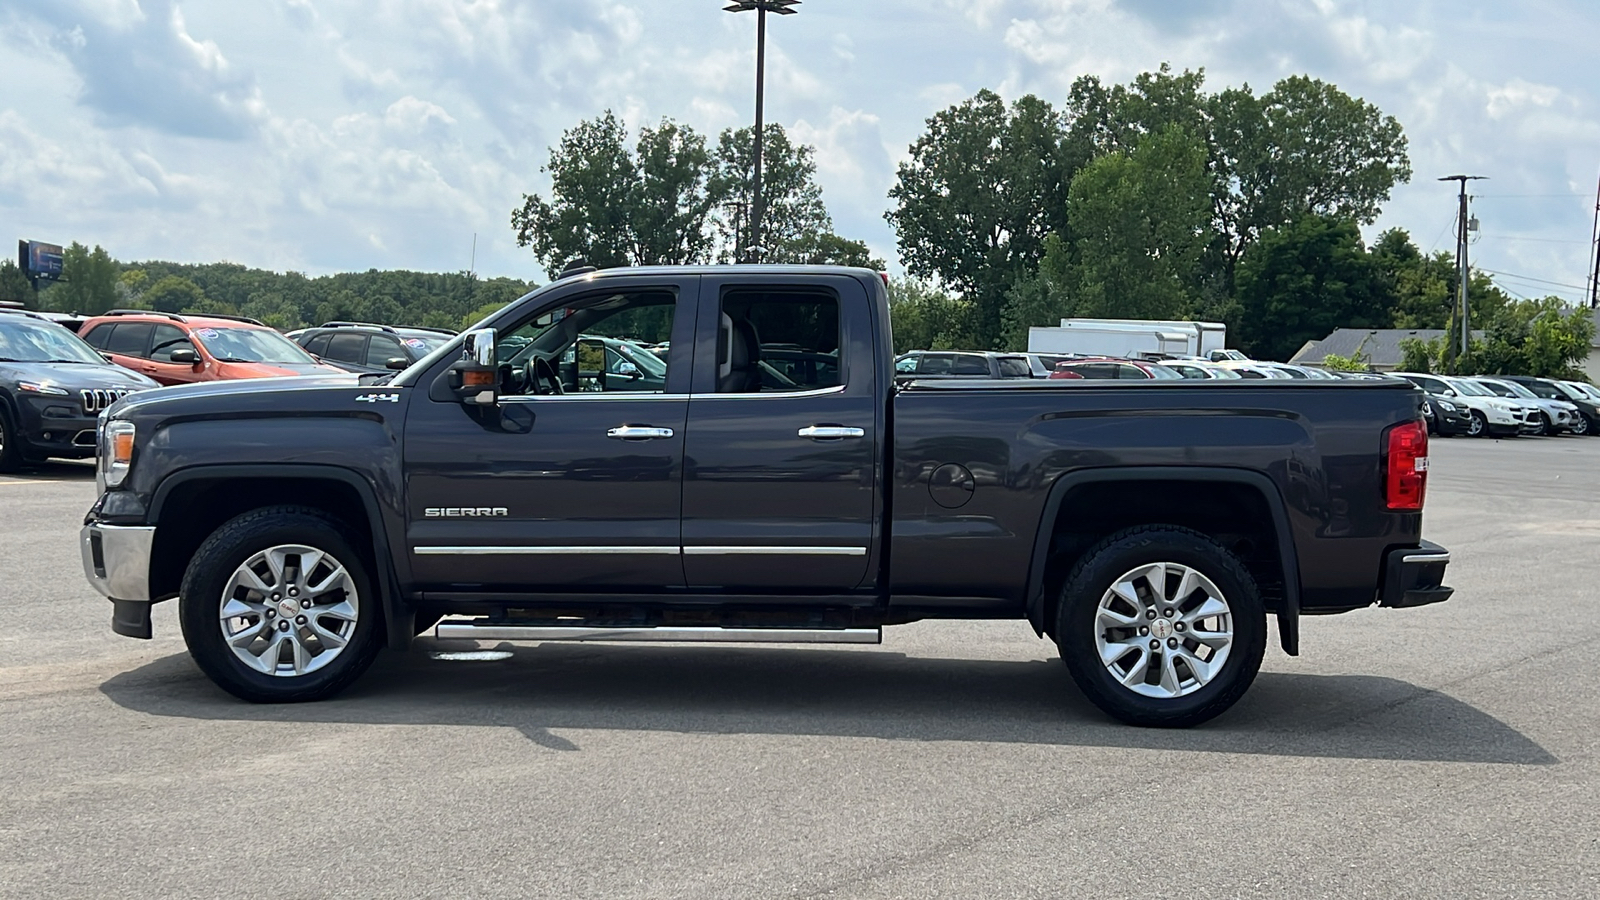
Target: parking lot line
point(30, 481)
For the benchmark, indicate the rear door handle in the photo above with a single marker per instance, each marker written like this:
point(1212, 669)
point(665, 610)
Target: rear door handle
point(638, 432)
point(831, 432)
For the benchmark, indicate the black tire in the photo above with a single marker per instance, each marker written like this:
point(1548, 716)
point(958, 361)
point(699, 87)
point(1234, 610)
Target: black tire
point(1582, 425)
point(11, 458)
point(1119, 554)
point(1479, 426)
point(229, 547)
point(1546, 427)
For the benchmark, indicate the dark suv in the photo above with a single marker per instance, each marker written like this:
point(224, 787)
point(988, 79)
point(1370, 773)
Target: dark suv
point(963, 364)
point(52, 387)
point(365, 348)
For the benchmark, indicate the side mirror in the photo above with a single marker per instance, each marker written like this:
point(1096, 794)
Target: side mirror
point(184, 357)
point(1449, 393)
point(397, 364)
point(627, 370)
point(475, 378)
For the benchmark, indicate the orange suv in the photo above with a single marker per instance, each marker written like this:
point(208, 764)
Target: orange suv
point(176, 349)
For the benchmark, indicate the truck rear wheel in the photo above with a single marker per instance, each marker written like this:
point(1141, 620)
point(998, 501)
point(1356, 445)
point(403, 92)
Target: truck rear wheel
point(277, 607)
point(1161, 626)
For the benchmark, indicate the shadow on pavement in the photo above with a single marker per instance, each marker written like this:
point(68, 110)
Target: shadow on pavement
point(875, 694)
point(57, 470)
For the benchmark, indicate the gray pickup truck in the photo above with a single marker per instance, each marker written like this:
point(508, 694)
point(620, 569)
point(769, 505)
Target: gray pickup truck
point(776, 485)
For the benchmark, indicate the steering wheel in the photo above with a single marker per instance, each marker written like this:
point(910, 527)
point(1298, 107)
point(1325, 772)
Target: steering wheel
point(540, 376)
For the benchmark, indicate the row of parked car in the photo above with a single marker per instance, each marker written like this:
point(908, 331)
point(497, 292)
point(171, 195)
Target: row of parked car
point(57, 372)
point(1500, 406)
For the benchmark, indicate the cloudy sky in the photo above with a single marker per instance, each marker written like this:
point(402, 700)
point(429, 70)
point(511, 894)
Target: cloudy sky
point(330, 135)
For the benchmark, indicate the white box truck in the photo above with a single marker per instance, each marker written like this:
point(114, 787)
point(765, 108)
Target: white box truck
point(1129, 337)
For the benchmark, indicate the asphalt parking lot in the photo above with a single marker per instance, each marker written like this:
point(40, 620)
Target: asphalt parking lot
point(1448, 751)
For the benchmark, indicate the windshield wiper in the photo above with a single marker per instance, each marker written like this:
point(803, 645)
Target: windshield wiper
point(234, 359)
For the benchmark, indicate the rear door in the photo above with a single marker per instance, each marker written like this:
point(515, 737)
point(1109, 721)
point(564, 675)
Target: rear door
point(128, 344)
point(781, 459)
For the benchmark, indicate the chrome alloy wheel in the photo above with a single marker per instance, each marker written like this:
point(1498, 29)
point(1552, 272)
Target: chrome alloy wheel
point(1580, 424)
point(1163, 630)
point(289, 610)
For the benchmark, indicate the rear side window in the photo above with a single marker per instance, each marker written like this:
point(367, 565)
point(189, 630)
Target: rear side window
point(318, 344)
point(1131, 372)
point(1015, 367)
point(970, 365)
point(347, 348)
point(98, 336)
point(1095, 370)
point(130, 339)
point(778, 341)
point(935, 364)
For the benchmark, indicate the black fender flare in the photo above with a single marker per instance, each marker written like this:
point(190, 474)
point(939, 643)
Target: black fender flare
point(1288, 610)
point(398, 615)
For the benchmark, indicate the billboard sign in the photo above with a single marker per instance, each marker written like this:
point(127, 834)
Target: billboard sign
point(39, 260)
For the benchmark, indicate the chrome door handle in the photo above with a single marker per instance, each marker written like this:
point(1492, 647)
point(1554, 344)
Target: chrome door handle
point(638, 432)
point(831, 432)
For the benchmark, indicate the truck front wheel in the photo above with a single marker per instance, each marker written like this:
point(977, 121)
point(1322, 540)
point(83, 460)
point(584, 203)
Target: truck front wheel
point(1161, 626)
point(277, 607)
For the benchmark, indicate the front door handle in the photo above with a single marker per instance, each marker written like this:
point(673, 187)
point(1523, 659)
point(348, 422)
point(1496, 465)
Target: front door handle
point(638, 432)
point(831, 432)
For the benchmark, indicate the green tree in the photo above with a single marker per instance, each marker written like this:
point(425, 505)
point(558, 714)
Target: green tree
point(1417, 355)
point(613, 206)
point(15, 286)
point(1543, 338)
point(925, 317)
point(478, 315)
point(825, 249)
point(88, 282)
point(983, 189)
point(1301, 281)
point(173, 293)
point(793, 210)
point(1304, 148)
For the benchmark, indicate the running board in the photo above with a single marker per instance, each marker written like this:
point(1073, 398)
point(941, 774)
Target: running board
point(464, 629)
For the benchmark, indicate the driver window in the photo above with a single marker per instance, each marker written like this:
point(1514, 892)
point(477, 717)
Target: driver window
point(168, 339)
point(596, 345)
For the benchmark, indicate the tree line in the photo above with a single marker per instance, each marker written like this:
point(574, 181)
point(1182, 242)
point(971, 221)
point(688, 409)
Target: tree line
point(93, 282)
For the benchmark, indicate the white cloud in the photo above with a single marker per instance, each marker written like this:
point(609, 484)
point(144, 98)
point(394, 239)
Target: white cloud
point(346, 134)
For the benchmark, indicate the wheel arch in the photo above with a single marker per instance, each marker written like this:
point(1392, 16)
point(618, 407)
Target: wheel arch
point(222, 492)
point(1137, 490)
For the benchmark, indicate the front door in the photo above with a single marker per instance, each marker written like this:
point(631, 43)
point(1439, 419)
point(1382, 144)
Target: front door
point(783, 448)
point(572, 483)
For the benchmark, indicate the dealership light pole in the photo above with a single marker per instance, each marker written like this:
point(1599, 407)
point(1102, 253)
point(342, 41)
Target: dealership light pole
point(761, 7)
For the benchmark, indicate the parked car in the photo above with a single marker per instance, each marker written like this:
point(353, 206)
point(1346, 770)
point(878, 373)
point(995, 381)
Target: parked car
point(1251, 369)
point(963, 364)
point(176, 349)
point(368, 349)
point(1550, 416)
point(1199, 370)
point(1548, 389)
point(1447, 417)
point(1122, 369)
point(1149, 542)
point(52, 387)
point(1042, 364)
point(1588, 392)
point(1491, 415)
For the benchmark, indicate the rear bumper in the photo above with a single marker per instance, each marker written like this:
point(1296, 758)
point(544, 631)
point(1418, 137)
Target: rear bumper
point(1414, 576)
point(116, 560)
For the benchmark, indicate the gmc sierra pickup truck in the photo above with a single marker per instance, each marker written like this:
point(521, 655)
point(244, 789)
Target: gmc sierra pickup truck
point(776, 485)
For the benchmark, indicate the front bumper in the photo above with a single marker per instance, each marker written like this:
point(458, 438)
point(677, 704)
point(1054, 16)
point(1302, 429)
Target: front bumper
point(56, 426)
point(116, 560)
point(1414, 576)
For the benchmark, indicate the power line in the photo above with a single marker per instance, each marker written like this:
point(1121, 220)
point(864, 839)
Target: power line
point(1576, 287)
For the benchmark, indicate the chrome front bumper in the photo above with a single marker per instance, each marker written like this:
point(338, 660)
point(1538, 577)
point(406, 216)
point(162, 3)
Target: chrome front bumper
point(116, 560)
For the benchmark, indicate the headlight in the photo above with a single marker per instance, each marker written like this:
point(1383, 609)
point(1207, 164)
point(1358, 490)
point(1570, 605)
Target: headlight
point(1446, 405)
point(116, 451)
point(48, 390)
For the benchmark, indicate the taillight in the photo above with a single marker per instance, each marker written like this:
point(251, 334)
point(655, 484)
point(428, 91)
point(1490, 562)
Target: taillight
point(1407, 466)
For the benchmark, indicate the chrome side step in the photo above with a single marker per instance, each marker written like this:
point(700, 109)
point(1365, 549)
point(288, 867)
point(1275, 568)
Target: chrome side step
point(464, 629)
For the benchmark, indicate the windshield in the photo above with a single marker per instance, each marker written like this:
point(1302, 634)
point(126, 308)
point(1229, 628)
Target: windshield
point(1589, 391)
point(251, 345)
point(1569, 392)
point(1162, 372)
point(425, 343)
point(29, 340)
point(1518, 389)
point(1471, 389)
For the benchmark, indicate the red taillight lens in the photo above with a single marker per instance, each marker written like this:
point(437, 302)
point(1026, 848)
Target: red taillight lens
point(1407, 468)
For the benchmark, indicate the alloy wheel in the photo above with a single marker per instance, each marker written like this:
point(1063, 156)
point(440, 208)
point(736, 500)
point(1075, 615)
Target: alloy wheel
point(1163, 630)
point(289, 610)
point(1580, 425)
point(1475, 427)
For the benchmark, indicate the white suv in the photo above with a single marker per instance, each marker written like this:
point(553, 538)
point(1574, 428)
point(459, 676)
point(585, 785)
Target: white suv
point(1490, 414)
point(1550, 416)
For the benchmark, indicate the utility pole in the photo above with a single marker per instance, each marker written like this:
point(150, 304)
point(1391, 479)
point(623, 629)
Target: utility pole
point(1594, 252)
point(1463, 268)
point(761, 7)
